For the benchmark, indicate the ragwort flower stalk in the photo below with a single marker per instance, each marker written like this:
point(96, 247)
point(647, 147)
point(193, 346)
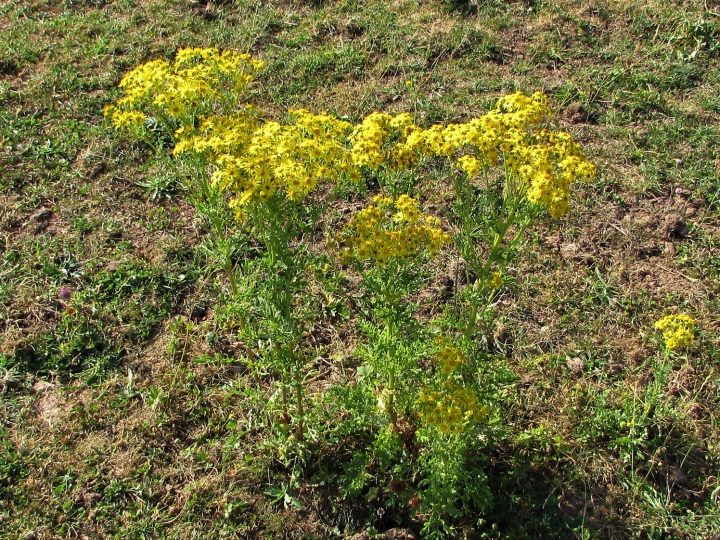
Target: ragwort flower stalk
point(450, 411)
point(269, 184)
point(504, 157)
point(536, 169)
point(195, 101)
point(385, 240)
point(449, 405)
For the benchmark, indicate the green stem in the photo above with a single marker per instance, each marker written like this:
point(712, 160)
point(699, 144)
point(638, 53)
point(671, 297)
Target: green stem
point(472, 322)
point(300, 406)
point(492, 257)
point(272, 253)
point(284, 397)
point(391, 397)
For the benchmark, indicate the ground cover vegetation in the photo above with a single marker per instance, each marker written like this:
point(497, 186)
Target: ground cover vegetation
point(347, 284)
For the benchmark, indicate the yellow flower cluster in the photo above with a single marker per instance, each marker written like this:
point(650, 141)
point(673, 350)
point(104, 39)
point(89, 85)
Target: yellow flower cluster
point(549, 164)
point(677, 331)
point(219, 135)
point(451, 408)
point(197, 77)
point(370, 139)
point(547, 161)
point(125, 119)
point(391, 228)
point(255, 158)
point(449, 358)
point(292, 158)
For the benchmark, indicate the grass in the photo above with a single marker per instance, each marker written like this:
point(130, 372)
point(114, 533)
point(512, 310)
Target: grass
point(127, 409)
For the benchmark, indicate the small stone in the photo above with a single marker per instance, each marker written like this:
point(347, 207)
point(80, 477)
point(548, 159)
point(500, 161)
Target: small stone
point(576, 113)
point(42, 386)
point(576, 365)
point(573, 252)
point(646, 221)
point(552, 241)
point(97, 170)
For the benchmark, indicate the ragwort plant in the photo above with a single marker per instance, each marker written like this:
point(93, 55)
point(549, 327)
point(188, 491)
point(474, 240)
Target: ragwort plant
point(507, 170)
point(176, 104)
point(269, 180)
point(386, 240)
point(452, 483)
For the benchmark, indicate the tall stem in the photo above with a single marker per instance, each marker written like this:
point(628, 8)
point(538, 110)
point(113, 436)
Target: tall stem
point(300, 406)
point(472, 321)
point(391, 398)
point(482, 278)
point(284, 398)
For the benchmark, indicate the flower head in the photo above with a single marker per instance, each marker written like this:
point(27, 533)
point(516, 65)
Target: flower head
point(391, 228)
point(451, 407)
point(677, 331)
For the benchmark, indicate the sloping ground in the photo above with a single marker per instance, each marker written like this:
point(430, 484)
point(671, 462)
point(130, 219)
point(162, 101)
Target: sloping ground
point(127, 410)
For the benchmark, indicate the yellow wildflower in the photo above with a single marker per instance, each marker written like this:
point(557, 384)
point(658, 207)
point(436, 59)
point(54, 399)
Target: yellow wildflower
point(451, 407)
point(677, 331)
point(393, 228)
point(449, 358)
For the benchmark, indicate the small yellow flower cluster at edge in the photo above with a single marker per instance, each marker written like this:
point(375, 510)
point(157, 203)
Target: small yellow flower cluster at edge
point(391, 228)
point(677, 331)
point(451, 407)
point(178, 89)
